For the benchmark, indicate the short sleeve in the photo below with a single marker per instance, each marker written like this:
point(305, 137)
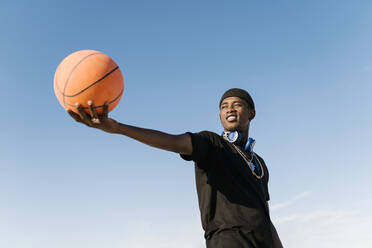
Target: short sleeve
point(201, 148)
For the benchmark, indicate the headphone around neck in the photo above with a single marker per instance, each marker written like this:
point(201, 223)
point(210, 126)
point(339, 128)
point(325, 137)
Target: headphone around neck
point(236, 137)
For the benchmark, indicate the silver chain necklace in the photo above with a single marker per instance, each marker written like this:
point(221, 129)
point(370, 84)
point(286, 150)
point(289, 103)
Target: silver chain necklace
point(250, 161)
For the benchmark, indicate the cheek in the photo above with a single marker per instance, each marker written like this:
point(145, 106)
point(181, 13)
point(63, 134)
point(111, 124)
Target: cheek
point(245, 116)
point(221, 114)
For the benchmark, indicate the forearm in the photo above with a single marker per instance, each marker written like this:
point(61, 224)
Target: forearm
point(175, 143)
point(276, 239)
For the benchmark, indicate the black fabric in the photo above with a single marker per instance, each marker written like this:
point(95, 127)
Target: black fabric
point(231, 199)
point(238, 93)
point(233, 238)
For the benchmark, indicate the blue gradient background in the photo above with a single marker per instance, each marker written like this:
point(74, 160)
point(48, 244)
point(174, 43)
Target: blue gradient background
point(307, 64)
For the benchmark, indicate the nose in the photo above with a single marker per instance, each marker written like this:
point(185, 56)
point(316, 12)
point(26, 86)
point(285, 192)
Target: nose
point(230, 108)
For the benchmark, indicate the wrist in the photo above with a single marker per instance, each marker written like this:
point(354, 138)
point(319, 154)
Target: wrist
point(115, 127)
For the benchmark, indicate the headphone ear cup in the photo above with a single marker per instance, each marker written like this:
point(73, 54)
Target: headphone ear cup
point(234, 137)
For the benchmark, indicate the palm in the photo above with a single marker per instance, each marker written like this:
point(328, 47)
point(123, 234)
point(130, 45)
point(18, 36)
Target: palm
point(92, 119)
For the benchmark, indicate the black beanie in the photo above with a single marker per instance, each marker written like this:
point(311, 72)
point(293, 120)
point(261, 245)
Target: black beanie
point(238, 93)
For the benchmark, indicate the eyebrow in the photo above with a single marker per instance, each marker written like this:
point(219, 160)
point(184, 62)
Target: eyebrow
point(235, 101)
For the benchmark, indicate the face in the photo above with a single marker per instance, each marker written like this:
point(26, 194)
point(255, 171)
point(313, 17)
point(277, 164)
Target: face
point(235, 114)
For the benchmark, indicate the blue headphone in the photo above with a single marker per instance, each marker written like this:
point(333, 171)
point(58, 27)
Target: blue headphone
point(236, 137)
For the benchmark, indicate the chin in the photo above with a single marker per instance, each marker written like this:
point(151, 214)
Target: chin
point(231, 128)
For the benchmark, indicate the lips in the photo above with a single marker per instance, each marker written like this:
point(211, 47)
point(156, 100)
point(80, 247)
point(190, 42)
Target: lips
point(231, 118)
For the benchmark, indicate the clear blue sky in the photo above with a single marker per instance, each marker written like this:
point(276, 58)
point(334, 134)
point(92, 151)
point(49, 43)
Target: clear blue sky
point(307, 64)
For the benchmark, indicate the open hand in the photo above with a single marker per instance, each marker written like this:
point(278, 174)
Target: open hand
point(94, 120)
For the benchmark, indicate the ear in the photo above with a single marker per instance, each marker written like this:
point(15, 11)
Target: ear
point(252, 114)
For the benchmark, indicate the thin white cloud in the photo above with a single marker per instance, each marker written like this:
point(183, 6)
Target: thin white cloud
point(325, 229)
point(321, 227)
point(290, 201)
point(330, 216)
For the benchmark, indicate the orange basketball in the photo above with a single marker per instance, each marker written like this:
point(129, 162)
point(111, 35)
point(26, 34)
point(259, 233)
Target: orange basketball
point(88, 75)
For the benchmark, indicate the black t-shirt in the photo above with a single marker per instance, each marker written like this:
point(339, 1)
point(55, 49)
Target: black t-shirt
point(229, 195)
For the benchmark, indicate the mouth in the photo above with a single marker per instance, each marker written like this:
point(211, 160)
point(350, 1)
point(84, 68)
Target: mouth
point(231, 118)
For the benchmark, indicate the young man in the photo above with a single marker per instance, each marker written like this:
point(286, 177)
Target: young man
point(231, 179)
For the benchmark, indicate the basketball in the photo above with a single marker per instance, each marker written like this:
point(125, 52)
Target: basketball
point(88, 75)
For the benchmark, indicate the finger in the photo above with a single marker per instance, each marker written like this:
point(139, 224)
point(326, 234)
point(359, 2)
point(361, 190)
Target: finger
point(93, 111)
point(83, 115)
point(105, 110)
point(75, 116)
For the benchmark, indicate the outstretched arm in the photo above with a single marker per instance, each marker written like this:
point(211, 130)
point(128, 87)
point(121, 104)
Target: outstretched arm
point(175, 143)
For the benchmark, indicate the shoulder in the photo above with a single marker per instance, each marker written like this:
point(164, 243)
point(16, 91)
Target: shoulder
point(209, 136)
point(204, 146)
point(259, 158)
point(206, 139)
point(262, 161)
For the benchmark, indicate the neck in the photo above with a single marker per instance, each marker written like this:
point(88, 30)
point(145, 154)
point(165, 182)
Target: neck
point(245, 135)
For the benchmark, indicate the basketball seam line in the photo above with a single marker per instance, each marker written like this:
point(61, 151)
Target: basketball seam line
point(101, 106)
point(73, 69)
point(96, 82)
